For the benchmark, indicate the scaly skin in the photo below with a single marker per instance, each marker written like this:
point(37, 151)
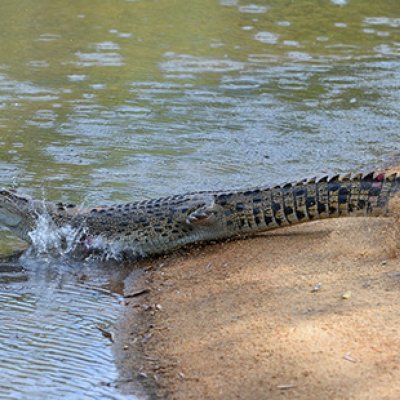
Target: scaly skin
point(159, 226)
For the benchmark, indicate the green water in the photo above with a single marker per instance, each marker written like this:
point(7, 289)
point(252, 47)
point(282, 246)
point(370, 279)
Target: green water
point(114, 100)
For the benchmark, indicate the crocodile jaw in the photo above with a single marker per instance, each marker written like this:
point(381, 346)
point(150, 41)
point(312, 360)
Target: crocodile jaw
point(9, 219)
point(17, 213)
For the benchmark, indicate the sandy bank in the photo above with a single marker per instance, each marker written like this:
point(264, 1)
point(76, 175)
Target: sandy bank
point(310, 312)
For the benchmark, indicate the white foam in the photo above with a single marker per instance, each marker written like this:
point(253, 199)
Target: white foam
point(50, 240)
point(47, 238)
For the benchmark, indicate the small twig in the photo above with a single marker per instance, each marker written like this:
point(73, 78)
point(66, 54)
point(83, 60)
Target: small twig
point(286, 386)
point(348, 357)
point(138, 292)
point(105, 333)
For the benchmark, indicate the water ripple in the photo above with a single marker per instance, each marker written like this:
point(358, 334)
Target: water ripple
point(49, 332)
point(392, 22)
point(253, 9)
point(267, 37)
point(191, 64)
point(106, 59)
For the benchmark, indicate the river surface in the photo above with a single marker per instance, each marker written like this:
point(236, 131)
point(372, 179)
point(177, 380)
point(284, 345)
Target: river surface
point(116, 100)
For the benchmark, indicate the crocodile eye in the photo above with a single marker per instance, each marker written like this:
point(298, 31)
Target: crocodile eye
point(4, 192)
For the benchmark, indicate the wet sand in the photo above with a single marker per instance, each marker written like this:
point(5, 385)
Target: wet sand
point(309, 312)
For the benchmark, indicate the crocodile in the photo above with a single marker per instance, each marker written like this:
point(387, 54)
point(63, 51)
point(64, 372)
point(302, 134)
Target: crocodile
point(153, 227)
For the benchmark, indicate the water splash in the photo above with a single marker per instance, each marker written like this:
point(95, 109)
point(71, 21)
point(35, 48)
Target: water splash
point(101, 249)
point(49, 239)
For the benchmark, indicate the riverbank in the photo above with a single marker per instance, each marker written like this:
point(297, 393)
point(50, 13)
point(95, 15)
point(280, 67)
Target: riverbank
point(308, 312)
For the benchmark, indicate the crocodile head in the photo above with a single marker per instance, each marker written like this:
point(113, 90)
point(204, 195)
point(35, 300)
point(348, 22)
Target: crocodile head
point(18, 213)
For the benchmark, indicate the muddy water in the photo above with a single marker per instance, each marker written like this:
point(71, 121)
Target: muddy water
point(106, 101)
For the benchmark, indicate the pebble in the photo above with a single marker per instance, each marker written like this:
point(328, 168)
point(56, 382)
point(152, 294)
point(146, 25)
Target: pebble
point(346, 295)
point(316, 288)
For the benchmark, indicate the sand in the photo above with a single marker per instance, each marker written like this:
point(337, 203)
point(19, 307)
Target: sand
point(309, 312)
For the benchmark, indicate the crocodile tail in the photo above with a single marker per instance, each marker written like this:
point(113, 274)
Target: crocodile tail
point(341, 195)
point(308, 200)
